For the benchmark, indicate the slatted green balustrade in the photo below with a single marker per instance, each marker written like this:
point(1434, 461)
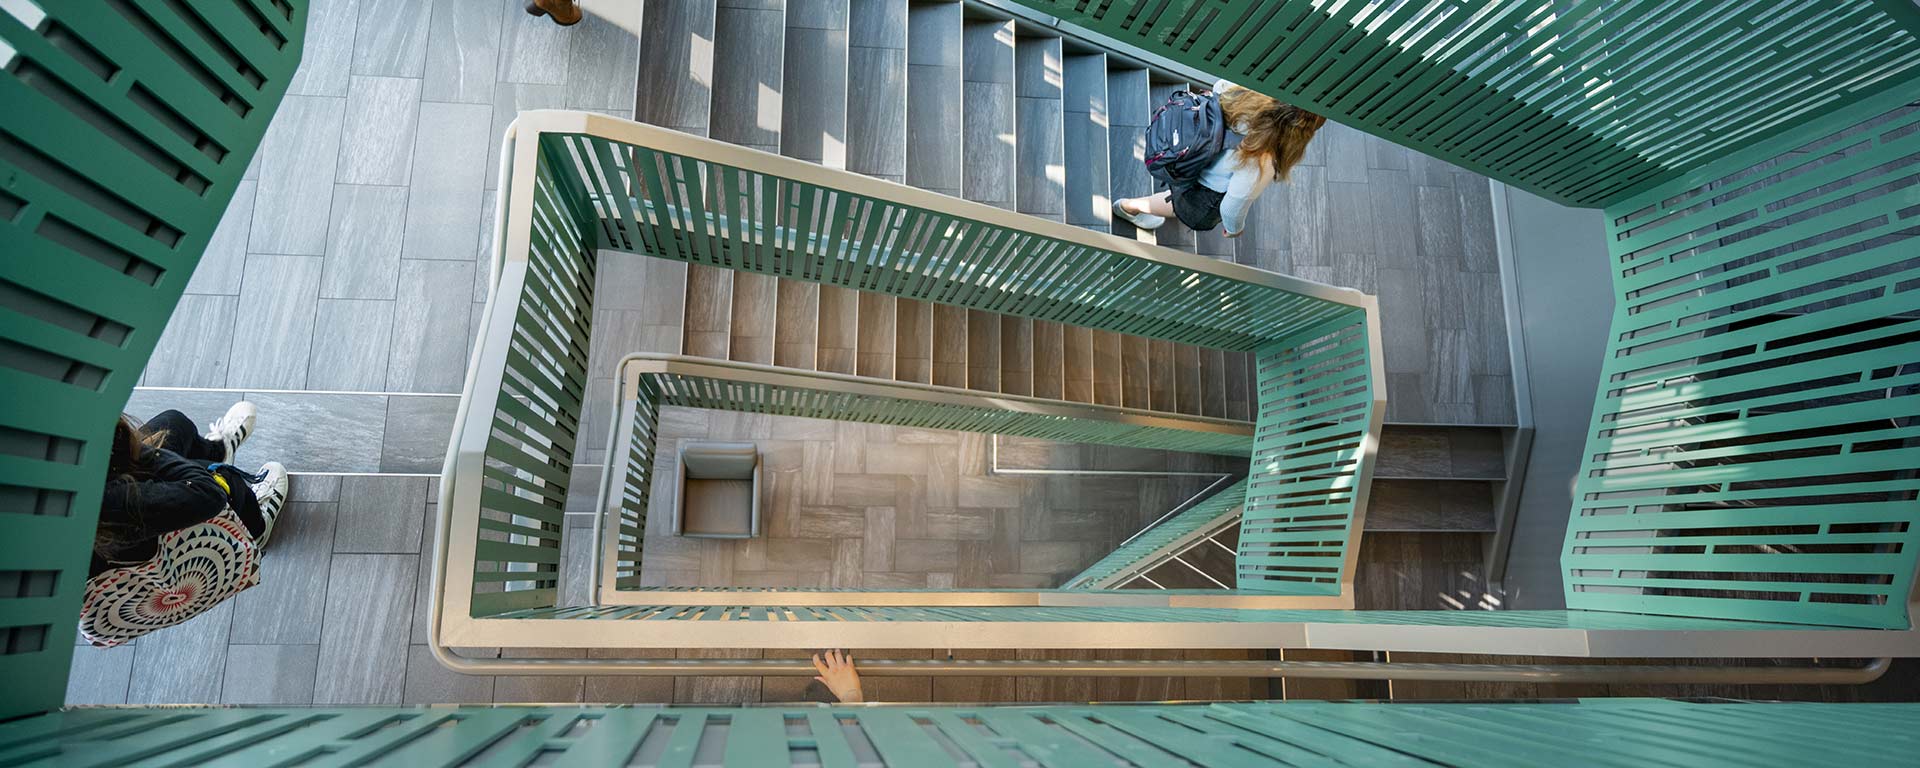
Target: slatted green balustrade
point(1312, 459)
point(1581, 102)
point(1154, 543)
point(1631, 733)
point(124, 130)
point(600, 183)
point(1755, 443)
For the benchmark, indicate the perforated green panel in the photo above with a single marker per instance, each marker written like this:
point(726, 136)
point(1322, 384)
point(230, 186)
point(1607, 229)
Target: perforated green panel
point(124, 129)
point(1149, 545)
point(1755, 443)
point(1629, 733)
point(1319, 412)
point(1582, 102)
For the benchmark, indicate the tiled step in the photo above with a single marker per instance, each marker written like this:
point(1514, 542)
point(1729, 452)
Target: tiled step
point(796, 324)
point(675, 92)
point(913, 341)
point(1039, 144)
point(949, 345)
point(1088, 182)
point(934, 101)
point(1107, 368)
point(934, 97)
point(877, 147)
point(988, 166)
point(812, 329)
point(1016, 355)
point(747, 89)
point(983, 350)
point(1077, 359)
point(746, 111)
point(1129, 108)
point(875, 346)
point(877, 89)
point(1049, 360)
point(839, 328)
point(1162, 381)
point(751, 332)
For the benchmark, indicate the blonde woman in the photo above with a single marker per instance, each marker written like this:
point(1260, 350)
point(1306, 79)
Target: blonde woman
point(1272, 137)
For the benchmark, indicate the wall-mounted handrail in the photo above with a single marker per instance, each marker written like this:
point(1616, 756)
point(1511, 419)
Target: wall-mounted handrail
point(1299, 670)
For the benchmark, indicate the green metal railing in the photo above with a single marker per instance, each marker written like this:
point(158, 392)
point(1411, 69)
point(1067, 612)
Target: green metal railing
point(1312, 459)
point(575, 183)
point(1631, 733)
point(1754, 444)
point(1583, 102)
point(126, 128)
point(1164, 538)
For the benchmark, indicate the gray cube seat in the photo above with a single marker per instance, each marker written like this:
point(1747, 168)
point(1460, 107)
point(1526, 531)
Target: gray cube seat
point(717, 494)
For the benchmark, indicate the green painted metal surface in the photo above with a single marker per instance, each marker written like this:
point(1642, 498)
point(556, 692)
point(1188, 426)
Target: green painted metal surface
point(1153, 544)
point(538, 406)
point(592, 192)
point(124, 129)
point(1629, 733)
point(686, 208)
point(1580, 102)
point(1312, 460)
point(1755, 438)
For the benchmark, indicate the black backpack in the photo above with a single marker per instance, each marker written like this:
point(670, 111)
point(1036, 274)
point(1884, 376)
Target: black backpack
point(1186, 136)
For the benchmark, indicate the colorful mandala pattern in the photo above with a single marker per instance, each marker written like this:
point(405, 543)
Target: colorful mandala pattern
point(195, 569)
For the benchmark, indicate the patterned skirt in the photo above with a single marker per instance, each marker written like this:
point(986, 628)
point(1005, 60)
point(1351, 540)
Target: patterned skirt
point(195, 568)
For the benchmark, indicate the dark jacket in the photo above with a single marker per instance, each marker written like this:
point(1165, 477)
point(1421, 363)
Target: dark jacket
point(170, 493)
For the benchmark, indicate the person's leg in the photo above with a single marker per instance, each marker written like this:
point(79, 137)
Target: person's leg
point(1145, 212)
point(232, 428)
point(1158, 204)
point(183, 437)
point(271, 495)
point(245, 501)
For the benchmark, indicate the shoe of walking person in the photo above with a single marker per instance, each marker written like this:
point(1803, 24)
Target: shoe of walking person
point(232, 429)
point(271, 490)
point(1146, 221)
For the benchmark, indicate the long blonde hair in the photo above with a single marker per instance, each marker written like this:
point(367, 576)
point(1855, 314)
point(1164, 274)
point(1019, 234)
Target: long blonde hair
point(1276, 133)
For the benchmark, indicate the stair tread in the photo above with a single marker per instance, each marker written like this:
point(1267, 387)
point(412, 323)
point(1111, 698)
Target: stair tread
point(877, 89)
point(751, 329)
point(1039, 129)
point(934, 97)
point(747, 89)
point(875, 342)
point(983, 350)
point(839, 328)
point(913, 341)
point(1016, 355)
point(988, 168)
point(949, 345)
point(1085, 116)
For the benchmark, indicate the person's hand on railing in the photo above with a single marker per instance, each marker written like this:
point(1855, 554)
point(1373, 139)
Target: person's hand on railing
point(837, 674)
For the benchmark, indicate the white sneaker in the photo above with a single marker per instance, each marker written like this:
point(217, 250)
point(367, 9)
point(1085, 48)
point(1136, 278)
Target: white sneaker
point(272, 493)
point(232, 429)
point(1145, 221)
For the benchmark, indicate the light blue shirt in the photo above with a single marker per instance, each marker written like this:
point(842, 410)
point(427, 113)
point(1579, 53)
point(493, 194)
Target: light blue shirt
point(1241, 183)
